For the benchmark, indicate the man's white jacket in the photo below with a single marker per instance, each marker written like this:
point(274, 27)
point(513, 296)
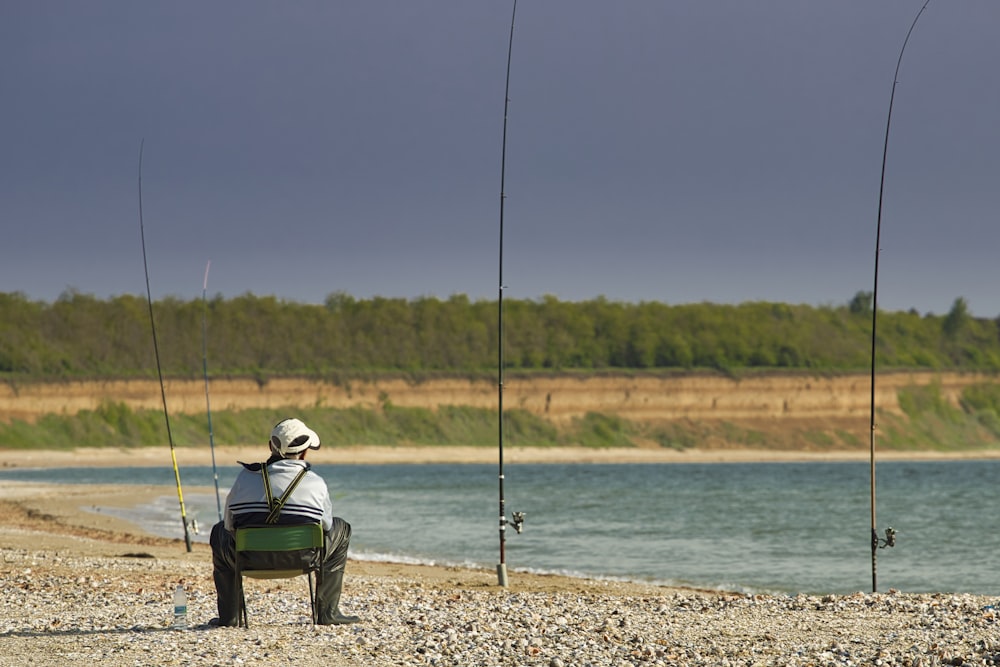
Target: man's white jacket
point(309, 502)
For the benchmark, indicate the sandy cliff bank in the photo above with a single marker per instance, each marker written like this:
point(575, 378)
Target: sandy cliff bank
point(635, 397)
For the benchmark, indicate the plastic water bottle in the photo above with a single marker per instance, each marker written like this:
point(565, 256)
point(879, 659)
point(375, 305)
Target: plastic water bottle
point(180, 608)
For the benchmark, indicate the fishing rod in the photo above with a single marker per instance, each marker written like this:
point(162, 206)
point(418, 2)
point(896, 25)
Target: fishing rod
point(890, 534)
point(159, 371)
point(518, 517)
point(204, 366)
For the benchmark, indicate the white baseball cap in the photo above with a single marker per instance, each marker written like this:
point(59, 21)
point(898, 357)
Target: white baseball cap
point(291, 436)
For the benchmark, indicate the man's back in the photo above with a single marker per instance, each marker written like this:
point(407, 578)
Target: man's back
point(309, 501)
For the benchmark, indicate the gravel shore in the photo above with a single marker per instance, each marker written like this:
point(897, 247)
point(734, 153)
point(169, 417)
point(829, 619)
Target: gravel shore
point(116, 611)
point(84, 587)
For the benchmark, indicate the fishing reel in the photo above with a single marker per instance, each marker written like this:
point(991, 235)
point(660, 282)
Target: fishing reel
point(888, 541)
point(517, 520)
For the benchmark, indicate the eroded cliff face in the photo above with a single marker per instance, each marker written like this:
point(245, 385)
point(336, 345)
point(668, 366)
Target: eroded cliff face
point(784, 399)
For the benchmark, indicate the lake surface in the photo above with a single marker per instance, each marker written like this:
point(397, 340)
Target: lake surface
point(751, 527)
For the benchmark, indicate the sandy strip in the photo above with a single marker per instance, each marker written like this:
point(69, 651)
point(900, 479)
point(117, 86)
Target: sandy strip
point(224, 456)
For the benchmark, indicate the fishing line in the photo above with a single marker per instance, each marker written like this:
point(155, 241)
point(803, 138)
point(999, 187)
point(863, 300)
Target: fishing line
point(518, 517)
point(159, 371)
point(204, 366)
point(890, 534)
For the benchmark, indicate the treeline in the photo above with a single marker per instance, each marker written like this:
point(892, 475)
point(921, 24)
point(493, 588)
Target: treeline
point(79, 335)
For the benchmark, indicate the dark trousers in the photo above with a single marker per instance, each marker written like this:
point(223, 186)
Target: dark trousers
point(338, 538)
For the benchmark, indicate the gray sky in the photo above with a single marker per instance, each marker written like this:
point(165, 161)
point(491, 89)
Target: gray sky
point(670, 150)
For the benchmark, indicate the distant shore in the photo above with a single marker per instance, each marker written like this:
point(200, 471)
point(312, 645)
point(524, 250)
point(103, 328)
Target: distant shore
point(373, 455)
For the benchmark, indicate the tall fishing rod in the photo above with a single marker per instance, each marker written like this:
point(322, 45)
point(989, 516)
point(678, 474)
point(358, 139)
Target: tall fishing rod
point(204, 366)
point(159, 371)
point(890, 534)
point(518, 517)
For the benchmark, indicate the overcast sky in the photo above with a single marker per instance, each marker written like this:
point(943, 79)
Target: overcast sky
point(658, 150)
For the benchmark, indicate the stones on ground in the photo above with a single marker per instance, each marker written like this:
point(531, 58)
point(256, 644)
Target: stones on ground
point(116, 611)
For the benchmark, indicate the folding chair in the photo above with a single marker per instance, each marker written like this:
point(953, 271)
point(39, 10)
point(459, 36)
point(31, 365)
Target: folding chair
point(272, 558)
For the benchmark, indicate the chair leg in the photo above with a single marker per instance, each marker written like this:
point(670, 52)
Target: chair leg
point(243, 607)
point(312, 596)
point(241, 613)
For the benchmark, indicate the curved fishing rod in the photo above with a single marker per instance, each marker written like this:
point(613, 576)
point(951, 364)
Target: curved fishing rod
point(159, 371)
point(204, 366)
point(890, 534)
point(518, 517)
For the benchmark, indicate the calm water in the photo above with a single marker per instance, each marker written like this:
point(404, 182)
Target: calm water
point(775, 527)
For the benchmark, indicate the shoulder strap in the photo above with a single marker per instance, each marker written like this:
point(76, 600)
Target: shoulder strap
point(277, 503)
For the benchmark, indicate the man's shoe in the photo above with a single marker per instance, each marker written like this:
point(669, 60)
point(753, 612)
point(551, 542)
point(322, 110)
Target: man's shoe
point(338, 619)
point(329, 601)
point(217, 623)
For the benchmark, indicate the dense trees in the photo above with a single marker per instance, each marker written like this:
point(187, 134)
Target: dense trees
point(82, 336)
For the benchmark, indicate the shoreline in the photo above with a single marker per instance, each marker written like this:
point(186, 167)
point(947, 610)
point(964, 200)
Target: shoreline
point(72, 519)
point(412, 454)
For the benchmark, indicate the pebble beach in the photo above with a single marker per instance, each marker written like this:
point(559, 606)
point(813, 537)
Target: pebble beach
point(85, 587)
point(115, 611)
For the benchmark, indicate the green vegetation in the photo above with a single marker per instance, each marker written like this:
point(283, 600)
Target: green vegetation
point(115, 424)
point(931, 423)
point(80, 336)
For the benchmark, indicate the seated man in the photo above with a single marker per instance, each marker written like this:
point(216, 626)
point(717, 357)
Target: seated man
point(255, 500)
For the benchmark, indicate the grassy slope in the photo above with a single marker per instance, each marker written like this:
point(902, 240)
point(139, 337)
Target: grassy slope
point(929, 423)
